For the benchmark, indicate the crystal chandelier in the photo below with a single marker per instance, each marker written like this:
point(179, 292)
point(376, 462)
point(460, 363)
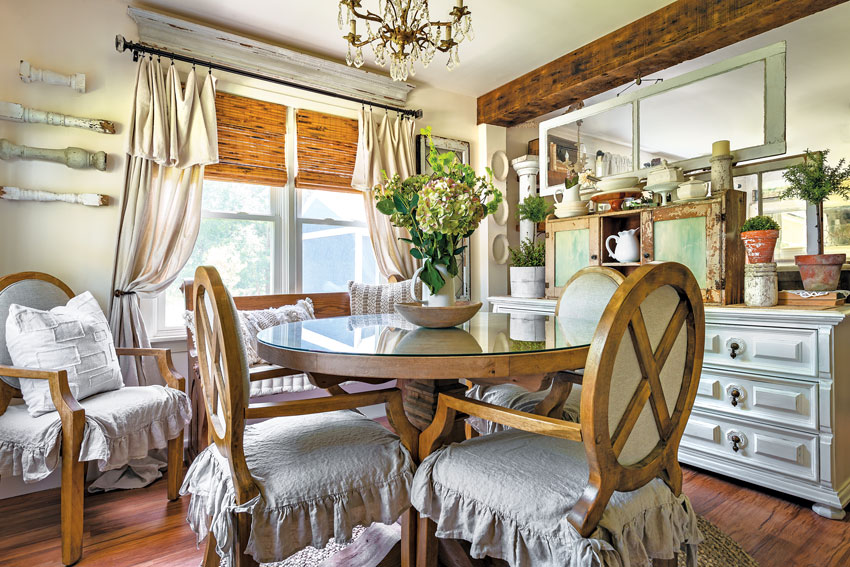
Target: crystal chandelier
point(404, 34)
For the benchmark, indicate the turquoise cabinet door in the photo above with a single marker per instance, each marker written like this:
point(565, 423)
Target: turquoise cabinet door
point(682, 240)
point(572, 253)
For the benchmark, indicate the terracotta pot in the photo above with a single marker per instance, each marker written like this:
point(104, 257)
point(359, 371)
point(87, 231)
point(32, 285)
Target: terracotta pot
point(820, 272)
point(760, 245)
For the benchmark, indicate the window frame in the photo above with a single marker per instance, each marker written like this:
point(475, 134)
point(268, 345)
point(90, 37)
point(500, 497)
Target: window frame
point(284, 213)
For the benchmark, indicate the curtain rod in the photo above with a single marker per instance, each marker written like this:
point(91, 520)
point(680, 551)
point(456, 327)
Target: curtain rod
point(122, 45)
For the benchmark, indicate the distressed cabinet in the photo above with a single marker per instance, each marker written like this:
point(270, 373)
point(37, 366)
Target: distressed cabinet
point(703, 235)
point(773, 403)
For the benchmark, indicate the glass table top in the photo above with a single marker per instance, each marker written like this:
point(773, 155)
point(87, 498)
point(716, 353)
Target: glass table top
point(392, 335)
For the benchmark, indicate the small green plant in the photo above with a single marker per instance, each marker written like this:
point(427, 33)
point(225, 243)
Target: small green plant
point(529, 254)
point(760, 222)
point(814, 181)
point(533, 208)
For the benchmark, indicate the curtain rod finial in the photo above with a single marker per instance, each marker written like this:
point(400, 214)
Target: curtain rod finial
point(120, 44)
point(418, 114)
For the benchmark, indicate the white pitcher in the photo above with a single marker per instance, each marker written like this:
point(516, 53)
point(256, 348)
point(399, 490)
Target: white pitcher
point(444, 298)
point(627, 248)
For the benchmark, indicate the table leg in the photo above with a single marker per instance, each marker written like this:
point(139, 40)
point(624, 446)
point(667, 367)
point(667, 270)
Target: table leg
point(420, 402)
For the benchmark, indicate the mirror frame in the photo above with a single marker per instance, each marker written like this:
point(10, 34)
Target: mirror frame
point(774, 126)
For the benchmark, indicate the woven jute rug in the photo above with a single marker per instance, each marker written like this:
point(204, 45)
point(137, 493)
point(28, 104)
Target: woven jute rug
point(718, 549)
point(369, 545)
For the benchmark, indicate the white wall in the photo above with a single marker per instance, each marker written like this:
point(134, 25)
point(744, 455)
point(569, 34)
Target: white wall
point(75, 243)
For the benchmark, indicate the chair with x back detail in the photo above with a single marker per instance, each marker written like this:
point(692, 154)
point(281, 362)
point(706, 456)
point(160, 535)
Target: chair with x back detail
point(607, 491)
point(311, 471)
point(579, 309)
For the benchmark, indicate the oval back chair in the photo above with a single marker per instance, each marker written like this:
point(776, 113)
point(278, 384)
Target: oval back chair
point(639, 385)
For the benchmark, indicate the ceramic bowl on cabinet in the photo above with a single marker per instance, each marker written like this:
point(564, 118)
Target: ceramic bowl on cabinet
point(664, 174)
point(692, 190)
point(616, 184)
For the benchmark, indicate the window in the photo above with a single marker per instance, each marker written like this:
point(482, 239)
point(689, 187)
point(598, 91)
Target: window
point(268, 231)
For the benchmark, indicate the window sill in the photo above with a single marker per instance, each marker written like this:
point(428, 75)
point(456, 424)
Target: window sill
point(174, 341)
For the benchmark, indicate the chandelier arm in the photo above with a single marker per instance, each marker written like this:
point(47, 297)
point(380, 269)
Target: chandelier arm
point(369, 15)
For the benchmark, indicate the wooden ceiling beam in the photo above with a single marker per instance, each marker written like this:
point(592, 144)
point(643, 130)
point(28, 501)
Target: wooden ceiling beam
point(678, 32)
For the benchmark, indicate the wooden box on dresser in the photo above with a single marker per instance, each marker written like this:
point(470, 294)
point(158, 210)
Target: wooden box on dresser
point(773, 406)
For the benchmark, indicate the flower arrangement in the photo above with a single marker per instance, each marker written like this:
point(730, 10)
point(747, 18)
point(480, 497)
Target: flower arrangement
point(439, 211)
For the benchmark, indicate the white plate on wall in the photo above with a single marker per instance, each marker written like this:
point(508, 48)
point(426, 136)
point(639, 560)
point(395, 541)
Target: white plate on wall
point(500, 217)
point(500, 165)
point(499, 249)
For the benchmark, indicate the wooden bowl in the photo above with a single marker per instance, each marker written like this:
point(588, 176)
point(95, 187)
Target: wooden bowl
point(438, 317)
point(615, 198)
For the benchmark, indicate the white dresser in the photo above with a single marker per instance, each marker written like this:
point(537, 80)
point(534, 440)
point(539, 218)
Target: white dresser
point(773, 406)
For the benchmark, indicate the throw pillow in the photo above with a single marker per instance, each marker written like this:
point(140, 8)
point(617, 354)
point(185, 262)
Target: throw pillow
point(369, 299)
point(73, 337)
point(252, 322)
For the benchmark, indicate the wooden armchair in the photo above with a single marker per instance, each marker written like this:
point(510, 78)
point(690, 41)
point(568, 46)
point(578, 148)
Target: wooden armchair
point(293, 460)
point(42, 291)
point(638, 390)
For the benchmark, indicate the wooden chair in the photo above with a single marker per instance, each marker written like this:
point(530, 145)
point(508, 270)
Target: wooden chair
point(42, 291)
point(615, 470)
point(324, 305)
point(579, 309)
point(294, 456)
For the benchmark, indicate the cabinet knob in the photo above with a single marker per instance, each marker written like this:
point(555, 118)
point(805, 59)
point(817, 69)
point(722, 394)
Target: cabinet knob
point(735, 394)
point(733, 349)
point(646, 254)
point(593, 257)
point(736, 442)
point(736, 439)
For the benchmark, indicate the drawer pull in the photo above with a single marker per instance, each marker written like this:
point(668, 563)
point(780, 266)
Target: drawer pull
point(733, 348)
point(735, 394)
point(737, 439)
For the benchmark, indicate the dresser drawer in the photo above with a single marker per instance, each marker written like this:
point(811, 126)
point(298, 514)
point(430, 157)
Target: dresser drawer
point(760, 398)
point(762, 349)
point(774, 449)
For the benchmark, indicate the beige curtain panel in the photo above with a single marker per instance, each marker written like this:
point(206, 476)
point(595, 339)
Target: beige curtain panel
point(172, 136)
point(385, 144)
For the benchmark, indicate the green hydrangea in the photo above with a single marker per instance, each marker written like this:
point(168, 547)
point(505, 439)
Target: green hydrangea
point(449, 207)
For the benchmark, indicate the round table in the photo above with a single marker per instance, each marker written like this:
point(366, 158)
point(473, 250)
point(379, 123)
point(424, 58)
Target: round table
point(491, 348)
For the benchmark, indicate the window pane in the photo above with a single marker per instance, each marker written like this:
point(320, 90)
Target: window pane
point(836, 234)
point(789, 213)
point(331, 205)
point(241, 250)
point(332, 255)
point(227, 197)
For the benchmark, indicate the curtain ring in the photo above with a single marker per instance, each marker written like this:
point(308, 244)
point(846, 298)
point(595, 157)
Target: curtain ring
point(172, 61)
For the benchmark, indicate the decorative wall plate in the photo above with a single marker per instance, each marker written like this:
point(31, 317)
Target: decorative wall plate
point(500, 165)
point(500, 217)
point(499, 252)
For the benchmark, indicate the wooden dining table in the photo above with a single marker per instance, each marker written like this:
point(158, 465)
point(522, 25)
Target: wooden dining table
point(534, 351)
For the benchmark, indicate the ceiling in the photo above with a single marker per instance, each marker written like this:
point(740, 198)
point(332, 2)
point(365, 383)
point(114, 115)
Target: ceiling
point(511, 37)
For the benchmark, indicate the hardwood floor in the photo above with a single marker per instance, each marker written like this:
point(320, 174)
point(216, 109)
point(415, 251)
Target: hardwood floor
point(140, 528)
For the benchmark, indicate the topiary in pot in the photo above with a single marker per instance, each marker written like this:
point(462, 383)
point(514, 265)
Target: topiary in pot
point(814, 181)
point(527, 271)
point(760, 234)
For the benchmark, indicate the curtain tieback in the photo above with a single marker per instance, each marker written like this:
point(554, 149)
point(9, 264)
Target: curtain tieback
point(119, 293)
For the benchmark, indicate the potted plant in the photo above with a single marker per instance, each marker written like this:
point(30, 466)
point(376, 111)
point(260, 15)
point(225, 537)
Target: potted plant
point(814, 181)
point(760, 234)
point(527, 272)
point(533, 208)
point(439, 211)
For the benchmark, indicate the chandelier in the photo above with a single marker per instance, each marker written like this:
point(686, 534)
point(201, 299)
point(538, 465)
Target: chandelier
point(404, 34)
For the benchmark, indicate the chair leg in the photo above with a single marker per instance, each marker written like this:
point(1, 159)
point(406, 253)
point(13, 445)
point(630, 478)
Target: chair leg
point(175, 466)
point(426, 543)
point(243, 532)
point(408, 537)
point(666, 562)
point(211, 558)
point(71, 492)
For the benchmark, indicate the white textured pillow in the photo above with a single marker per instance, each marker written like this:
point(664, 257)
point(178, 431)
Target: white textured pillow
point(370, 299)
point(73, 337)
point(252, 322)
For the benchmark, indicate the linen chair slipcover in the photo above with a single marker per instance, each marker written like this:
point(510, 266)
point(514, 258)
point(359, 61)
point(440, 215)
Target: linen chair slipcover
point(532, 495)
point(313, 470)
point(579, 309)
point(111, 427)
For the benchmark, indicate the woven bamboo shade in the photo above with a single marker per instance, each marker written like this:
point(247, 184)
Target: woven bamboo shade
point(251, 141)
point(327, 147)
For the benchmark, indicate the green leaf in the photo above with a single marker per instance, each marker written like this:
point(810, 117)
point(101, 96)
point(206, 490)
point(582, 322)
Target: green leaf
point(399, 205)
point(416, 253)
point(432, 278)
point(385, 206)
